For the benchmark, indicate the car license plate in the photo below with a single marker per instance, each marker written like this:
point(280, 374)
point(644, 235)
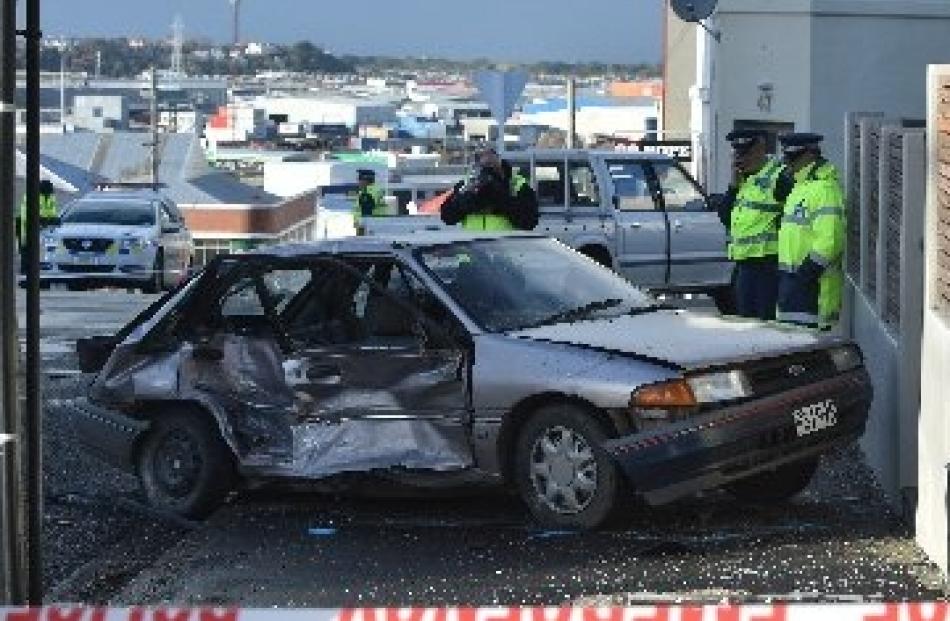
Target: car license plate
point(815, 417)
point(86, 258)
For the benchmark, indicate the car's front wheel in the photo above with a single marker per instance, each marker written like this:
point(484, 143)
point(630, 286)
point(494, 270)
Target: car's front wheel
point(184, 465)
point(775, 485)
point(563, 475)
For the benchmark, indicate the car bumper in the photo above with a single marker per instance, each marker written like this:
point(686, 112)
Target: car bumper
point(109, 434)
point(711, 450)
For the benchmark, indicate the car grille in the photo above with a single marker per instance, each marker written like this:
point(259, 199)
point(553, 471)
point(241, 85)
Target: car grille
point(94, 245)
point(771, 376)
point(86, 269)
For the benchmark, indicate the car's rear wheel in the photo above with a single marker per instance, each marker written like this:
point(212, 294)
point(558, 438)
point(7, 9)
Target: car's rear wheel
point(562, 473)
point(184, 465)
point(775, 485)
point(157, 281)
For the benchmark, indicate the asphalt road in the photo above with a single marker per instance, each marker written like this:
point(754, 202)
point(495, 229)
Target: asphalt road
point(275, 547)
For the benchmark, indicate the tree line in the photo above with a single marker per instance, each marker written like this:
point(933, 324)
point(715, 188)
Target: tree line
point(118, 58)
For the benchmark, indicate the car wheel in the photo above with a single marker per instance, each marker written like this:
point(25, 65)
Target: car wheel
point(184, 465)
point(157, 282)
point(563, 475)
point(775, 485)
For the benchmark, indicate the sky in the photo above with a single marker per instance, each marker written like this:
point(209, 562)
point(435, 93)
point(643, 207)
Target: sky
point(622, 31)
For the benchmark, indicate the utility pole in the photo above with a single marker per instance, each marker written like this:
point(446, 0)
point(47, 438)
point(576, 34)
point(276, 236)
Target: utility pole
point(62, 89)
point(571, 111)
point(34, 407)
point(12, 518)
point(154, 121)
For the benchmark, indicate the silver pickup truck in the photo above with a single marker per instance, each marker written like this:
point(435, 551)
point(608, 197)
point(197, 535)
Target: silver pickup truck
point(640, 214)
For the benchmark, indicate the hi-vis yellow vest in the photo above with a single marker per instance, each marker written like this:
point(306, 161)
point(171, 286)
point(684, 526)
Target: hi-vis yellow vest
point(494, 222)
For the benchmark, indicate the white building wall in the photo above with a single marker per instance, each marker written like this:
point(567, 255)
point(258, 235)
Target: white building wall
point(822, 58)
point(288, 179)
point(593, 120)
point(934, 431)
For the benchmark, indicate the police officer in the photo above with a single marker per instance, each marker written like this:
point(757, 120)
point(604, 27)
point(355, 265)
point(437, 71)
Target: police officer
point(49, 216)
point(369, 200)
point(496, 200)
point(811, 237)
point(752, 213)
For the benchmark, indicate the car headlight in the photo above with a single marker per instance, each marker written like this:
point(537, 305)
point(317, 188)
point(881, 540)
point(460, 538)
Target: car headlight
point(134, 243)
point(846, 358)
point(723, 386)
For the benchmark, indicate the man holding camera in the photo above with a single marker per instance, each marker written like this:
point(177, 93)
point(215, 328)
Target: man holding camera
point(496, 200)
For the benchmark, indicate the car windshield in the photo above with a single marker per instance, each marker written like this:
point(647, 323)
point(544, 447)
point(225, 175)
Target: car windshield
point(110, 212)
point(510, 284)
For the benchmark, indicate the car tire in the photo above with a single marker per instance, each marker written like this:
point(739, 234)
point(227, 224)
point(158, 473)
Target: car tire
point(775, 485)
point(584, 487)
point(184, 465)
point(157, 282)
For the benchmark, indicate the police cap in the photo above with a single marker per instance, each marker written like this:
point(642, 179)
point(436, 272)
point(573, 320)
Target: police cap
point(795, 143)
point(743, 139)
point(366, 174)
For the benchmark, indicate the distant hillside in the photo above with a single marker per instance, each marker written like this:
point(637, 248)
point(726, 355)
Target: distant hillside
point(123, 57)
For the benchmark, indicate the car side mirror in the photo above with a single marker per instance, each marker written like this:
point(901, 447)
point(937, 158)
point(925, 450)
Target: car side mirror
point(695, 205)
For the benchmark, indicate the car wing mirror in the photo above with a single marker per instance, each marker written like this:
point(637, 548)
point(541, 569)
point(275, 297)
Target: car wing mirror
point(697, 204)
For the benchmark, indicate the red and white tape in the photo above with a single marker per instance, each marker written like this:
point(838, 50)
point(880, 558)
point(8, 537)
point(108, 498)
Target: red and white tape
point(775, 612)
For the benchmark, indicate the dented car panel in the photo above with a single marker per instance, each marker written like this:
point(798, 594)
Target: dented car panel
point(377, 355)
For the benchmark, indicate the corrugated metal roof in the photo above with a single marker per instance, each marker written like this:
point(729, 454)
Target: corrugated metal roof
point(77, 149)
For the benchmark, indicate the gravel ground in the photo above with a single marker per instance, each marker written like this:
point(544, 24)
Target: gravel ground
point(837, 542)
point(93, 513)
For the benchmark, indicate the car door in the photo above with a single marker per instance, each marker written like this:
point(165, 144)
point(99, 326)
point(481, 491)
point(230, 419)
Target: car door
point(378, 388)
point(641, 223)
point(697, 236)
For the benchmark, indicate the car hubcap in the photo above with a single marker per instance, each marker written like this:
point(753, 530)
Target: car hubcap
point(563, 470)
point(178, 463)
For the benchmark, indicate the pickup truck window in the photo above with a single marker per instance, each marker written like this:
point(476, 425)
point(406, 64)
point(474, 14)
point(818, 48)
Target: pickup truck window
point(584, 192)
point(679, 192)
point(631, 188)
point(550, 179)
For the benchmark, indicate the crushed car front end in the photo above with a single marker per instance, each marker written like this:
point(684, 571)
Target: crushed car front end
point(716, 426)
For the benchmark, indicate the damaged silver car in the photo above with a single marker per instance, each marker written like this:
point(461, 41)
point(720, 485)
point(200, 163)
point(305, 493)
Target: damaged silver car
point(447, 359)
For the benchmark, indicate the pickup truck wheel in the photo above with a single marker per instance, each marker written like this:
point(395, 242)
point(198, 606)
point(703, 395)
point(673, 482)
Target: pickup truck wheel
point(157, 281)
point(775, 485)
point(184, 465)
point(563, 475)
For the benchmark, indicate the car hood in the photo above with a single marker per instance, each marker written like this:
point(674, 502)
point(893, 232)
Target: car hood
point(681, 338)
point(110, 231)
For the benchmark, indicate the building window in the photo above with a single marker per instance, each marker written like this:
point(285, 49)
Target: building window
point(97, 112)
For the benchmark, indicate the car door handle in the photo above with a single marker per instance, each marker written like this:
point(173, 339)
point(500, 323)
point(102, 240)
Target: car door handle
point(635, 225)
point(677, 224)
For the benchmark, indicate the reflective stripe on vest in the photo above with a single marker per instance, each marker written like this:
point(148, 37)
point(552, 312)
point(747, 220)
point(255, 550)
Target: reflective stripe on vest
point(753, 225)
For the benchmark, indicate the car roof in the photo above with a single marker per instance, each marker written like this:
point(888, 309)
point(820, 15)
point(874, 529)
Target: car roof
point(598, 153)
point(382, 243)
point(131, 195)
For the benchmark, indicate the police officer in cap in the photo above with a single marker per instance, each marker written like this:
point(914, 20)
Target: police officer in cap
point(369, 199)
point(751, 211)
point(811, 237)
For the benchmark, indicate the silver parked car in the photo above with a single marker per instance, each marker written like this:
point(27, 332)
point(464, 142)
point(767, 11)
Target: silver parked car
point(131, 238)
point(451, 358)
